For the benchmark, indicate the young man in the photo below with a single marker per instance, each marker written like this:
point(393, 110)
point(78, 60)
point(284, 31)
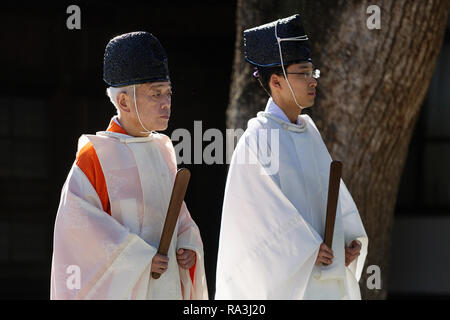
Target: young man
point(273, 220)
point(114, 201)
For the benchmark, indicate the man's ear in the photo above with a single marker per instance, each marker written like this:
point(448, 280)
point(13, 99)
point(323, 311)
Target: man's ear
point(123, 102)
point(275, 81)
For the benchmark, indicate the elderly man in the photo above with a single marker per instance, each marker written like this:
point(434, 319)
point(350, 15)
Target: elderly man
point(273, 219)
point(114, 201)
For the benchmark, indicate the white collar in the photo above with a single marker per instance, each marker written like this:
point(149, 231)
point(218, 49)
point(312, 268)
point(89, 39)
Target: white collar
point(274, 112)
point(116, 120)
point(125, 138)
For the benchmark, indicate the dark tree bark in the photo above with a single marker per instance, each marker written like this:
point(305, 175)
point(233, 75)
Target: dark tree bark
point(368, 99)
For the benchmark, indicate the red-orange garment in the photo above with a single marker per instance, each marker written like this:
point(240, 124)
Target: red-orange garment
point(87, 161)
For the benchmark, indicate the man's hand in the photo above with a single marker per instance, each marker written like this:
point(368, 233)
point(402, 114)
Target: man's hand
point(325, 255)
point(352, 252)
point(186, 258)
point(160, 263)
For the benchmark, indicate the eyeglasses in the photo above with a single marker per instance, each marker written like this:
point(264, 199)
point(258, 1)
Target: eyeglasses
point(308, 75)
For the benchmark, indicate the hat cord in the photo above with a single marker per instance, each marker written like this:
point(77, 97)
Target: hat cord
point(299, 38)
point(135, 105)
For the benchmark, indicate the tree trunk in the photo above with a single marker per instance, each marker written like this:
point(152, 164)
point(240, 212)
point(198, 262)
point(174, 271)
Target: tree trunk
point(372, 86)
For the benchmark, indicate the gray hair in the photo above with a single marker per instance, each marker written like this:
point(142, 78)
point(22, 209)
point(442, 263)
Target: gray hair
point(112, 93)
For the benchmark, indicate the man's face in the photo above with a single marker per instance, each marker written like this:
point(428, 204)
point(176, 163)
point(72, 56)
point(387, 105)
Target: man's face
point(153, 104)
point(304, 87)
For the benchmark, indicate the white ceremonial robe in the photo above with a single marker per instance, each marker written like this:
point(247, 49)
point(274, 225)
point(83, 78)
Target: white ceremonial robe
point(273, 217)
point(112, 254)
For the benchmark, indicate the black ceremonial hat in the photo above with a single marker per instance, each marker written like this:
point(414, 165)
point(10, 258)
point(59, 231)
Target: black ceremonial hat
point(261, 46)
point(133, 58)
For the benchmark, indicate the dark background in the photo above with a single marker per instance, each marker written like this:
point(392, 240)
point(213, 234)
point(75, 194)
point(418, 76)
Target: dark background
point(52, 91)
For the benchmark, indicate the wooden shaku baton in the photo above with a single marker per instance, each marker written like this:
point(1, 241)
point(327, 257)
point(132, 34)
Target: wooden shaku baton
point(333, 195)
point(176, 200)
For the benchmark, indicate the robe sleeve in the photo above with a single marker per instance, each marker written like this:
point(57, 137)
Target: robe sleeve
point(266, 249)
point(352, 224)
point(193, 280)
point(353, 229)
point(94, 256)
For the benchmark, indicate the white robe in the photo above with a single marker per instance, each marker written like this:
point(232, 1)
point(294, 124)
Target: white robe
point(274, 214)
point(114, 253)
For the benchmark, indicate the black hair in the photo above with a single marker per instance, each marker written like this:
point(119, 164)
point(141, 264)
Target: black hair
point(263, 74)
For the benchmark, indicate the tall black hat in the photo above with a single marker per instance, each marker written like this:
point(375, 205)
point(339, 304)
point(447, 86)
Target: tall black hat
point(261, 44)
point(133, 58)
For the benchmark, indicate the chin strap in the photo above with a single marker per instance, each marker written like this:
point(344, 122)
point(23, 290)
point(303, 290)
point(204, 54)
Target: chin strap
point(279, 40)
point(137, 112)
